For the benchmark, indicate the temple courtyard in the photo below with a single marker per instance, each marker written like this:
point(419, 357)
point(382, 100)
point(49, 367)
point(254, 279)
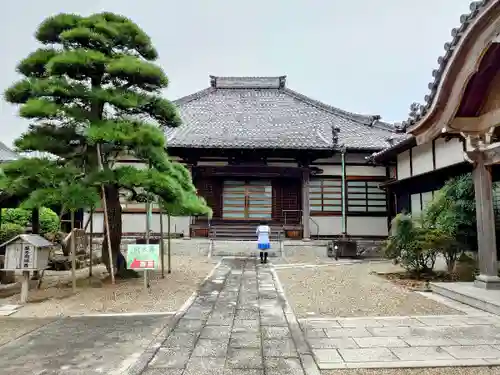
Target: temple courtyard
point(299, 315)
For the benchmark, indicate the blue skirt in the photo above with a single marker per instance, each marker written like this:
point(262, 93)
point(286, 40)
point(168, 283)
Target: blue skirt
point(264, 246)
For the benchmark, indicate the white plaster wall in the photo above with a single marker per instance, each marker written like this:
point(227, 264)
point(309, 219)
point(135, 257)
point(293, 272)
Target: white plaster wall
point(367, 226)
point(137, 223)
point(356, 226)
point(369, 170)
point(329, 170)
point(448, 153)
point(426, 198)
point(328, 225)
point(404, 170)
point(350, 157)
point(422, 159)
point(415, 205)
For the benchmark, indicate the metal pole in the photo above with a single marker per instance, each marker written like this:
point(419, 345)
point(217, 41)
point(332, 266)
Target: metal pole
point(91, 239)
point(169, 268)
point(162, 245)
point(73, 252)
point(148, 226)
point(106, 220)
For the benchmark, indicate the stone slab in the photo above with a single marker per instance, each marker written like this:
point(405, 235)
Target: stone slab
point(245, 340)
point(275, 332)
point(328, 355)
point(473, 352)
point(367, 355)
point(332, 343)
point(379, 342)
point(216, 332)
point(244, 358)
point(210, 348)
point(205, 366)
point(279, 348)
point(291, 366)
point(429, 341)
point(408, 364)
point(468, 294)
point(422, 353)
point(348, 332)
point(171, 358)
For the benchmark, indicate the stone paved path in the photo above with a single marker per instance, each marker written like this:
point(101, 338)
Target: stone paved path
point(395, 342)
point(239, 323)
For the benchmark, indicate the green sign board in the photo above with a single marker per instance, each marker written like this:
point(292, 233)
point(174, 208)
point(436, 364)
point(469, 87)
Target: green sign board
point(143, 257)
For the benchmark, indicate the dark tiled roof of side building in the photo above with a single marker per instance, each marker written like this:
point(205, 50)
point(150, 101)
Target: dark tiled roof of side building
point(396, 144)
point(261, 112)
point(6, 154)
point(417, 111)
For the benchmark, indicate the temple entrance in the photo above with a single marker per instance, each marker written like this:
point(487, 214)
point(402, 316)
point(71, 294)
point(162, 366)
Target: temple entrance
point(247, 200)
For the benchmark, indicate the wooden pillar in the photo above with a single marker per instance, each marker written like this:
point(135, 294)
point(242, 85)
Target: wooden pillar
point(35, 229)
point(487, 254)
point(187, 235)
point(306, 208)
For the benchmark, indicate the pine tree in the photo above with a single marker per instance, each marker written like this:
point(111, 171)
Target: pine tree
point(94, 86)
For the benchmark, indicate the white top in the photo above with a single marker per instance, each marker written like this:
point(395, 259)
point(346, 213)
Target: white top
point(263, 233)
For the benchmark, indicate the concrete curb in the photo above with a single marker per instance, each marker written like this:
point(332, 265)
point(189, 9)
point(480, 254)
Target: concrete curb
point(305, 353)
point(143, 360)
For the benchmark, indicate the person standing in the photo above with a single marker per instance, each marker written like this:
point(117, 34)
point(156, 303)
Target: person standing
point(263, 232)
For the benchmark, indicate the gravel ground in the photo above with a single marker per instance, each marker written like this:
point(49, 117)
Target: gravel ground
point(350, 290)
point(420, 371)
point(165, 295)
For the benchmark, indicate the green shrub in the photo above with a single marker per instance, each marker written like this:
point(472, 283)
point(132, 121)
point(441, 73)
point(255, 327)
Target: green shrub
point(411, 244)
point(10, 230)
point(49, 220)
point(452, 213)
point(17, 216)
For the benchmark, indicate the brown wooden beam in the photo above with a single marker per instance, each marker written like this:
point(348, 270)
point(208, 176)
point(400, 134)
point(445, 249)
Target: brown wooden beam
point(479, 124)
point(249, 171)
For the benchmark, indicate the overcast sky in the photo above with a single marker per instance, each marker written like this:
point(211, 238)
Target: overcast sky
point(366, 56)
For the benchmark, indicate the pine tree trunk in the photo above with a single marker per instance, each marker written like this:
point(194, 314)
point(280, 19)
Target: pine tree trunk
point(115, 228)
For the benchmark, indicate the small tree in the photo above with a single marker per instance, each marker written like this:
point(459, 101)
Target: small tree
point(413, 244)
point(93, 89)
point(452, 213)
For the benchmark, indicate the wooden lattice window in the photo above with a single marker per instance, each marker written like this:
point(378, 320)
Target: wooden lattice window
point(325, 195)
point(365, 197)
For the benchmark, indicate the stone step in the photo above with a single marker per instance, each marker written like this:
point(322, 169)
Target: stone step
point(469, 294)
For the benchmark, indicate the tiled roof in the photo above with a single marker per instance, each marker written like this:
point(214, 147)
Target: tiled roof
point(418, 111)
point(395, 144)
point(38, 155)
point(6, 154)
point(261, 112)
